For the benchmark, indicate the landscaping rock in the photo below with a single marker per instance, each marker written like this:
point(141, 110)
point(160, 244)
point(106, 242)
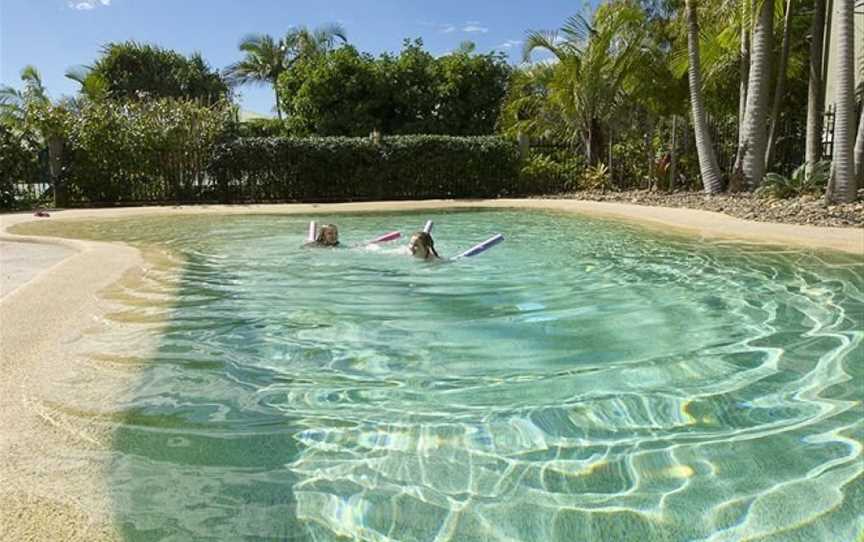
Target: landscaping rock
point(807, 210)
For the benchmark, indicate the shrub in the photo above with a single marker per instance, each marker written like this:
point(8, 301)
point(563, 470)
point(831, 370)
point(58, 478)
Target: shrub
point(154, 150)
point(596, 178)
point(780, 186)
point(542, 173)
point(19, 163)
point(341, 168)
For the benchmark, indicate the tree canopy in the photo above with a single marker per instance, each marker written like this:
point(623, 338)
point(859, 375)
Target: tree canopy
point(132, 70)
point(345, 92)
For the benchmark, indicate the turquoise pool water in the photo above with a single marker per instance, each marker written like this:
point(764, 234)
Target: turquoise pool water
point(584, 380)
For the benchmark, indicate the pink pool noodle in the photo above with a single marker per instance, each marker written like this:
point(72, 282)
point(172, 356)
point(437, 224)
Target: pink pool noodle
point(386, 237)
point(311, 236)
point(428, 227)
point(485, 245)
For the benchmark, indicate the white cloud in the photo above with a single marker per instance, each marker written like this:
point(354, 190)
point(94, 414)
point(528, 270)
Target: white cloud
point(474, 27)
point(509, 44)
point(449, 28)
point(87, 5)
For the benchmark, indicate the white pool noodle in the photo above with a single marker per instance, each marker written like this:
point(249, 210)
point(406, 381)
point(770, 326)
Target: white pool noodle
point(482, 247)
point(312, 228)
point(428, 227)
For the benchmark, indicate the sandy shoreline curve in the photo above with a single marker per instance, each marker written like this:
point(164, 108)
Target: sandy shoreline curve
point(704, 224)
point(41, 317)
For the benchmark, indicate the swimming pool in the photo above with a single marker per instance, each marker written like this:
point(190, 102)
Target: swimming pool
point(584, 380)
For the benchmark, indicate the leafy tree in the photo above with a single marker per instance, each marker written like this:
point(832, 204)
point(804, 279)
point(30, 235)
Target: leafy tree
point(132, 70)
point(412, 94)
point(344, 92)
point(339, 93)
point(598, 65)
point(266, 58)
point(14, 103)
point(470, 89)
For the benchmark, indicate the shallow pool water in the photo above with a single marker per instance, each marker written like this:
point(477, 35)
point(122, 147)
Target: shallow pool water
point(584, 380)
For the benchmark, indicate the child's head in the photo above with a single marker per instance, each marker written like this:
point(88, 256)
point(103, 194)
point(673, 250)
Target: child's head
point(422, 246)
point(328, 236)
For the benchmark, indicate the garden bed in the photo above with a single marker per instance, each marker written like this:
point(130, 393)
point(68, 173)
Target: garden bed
point(807, 210)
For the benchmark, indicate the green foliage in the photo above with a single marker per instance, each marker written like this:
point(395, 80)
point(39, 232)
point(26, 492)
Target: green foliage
point(779, 186)
point(348, 93)
point(141, 150)
point(337, 94)
point(132, 71)
point(596, 178)
point(266, 58)
point(14, 103)
point(18, 164)
point(542, 173)
point(261, 128)
point(602, 65)
point(341, 168)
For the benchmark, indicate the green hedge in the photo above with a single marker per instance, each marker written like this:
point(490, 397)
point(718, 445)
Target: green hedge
point(141, 151)
point(341, 168)
point(19, 163)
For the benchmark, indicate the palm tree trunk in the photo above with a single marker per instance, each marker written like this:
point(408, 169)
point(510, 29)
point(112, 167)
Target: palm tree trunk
point(278, 105)
point(708, 167)
point(755, 133)
point(744, 66)
point(859, 153)
point(815, 96)
point(673, 165)
point(844, 104)
point(779, 89)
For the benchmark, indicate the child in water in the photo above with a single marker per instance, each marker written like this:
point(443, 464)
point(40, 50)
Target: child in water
point(422, 246)
point(328, 236)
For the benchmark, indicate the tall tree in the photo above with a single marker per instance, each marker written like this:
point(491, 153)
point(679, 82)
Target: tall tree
point(859, 153)
point(711, 178)
point(844, 103)
point(752, 150)
point(266, 58)
point(780, 87)
point(815, 97)
point(599, 63)
point(14, 102)
point(744, 64)
point(132, 70)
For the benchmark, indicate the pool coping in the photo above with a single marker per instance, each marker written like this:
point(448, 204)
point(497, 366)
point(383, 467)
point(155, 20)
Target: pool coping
point(38, 318)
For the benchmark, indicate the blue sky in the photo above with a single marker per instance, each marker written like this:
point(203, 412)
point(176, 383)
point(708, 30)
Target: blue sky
point(56, 34)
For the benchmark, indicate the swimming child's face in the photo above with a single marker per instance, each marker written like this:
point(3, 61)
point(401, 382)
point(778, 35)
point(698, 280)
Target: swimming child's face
point(330, 236)
point(418, 247)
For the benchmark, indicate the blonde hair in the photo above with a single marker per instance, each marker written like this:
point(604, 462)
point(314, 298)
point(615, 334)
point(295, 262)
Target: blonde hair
point(320, 238)
point(426, 240)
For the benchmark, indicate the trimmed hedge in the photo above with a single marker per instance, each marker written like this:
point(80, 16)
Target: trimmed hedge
point(19, 163)
point(342, 168)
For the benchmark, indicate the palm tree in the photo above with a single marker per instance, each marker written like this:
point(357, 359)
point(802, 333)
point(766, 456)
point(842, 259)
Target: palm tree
point(815, 98)
point(93, 86)
point(780, 87)
point(751, 153)
point(266, 58)
point(859, 153)
point(844, 105)
point(14, 102)
point(597, 66)
point(711, 179)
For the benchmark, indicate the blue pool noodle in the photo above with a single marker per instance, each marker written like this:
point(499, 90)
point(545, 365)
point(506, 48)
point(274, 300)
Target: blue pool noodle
point(485, 245)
